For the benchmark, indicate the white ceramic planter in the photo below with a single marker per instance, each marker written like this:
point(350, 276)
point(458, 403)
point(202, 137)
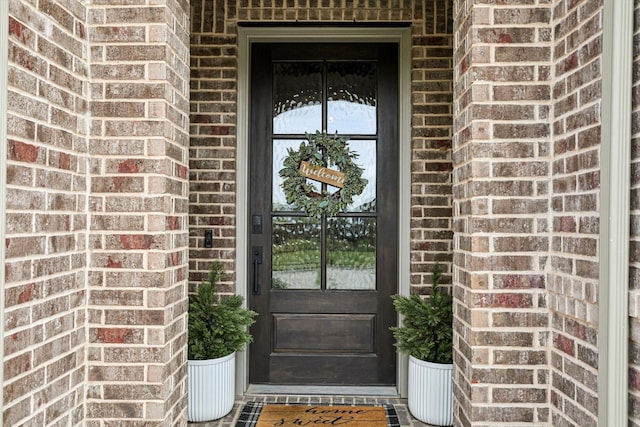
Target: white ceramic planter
point(430, 397)
point(211, 388)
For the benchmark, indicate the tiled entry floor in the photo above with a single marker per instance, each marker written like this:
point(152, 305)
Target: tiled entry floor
point(406, 420)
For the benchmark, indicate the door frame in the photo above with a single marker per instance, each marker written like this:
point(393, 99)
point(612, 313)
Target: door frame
point(246, 37)
point(613, 309)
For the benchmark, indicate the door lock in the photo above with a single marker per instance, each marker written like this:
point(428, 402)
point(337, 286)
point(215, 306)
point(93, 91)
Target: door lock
point(256, 224)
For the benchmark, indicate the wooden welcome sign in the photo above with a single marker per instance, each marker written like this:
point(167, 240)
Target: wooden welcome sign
point(322, 174)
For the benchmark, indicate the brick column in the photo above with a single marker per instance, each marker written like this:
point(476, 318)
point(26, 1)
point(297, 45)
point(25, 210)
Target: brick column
point(45, 224)
point(501, 205)
point(139, 57)
point(573, 280)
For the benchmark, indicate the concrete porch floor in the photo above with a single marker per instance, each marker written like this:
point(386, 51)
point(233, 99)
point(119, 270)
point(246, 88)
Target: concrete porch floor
point(406, 420)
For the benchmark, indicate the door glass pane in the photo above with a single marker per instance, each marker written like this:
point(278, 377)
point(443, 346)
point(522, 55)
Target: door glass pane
point(297, 92)
point(351, 253)
point(352, 98)
point(366, 150)
point(280, 147)
point(295, 253)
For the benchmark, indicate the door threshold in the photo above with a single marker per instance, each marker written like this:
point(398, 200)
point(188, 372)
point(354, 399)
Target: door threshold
point(381, 391)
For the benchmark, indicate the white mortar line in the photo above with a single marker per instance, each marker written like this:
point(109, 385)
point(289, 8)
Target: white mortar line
point(615, 155)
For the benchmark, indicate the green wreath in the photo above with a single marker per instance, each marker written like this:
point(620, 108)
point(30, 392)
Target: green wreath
point(321, 150)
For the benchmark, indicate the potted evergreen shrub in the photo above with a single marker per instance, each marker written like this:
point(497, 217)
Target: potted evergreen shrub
point(217, 330)
point(426, 335)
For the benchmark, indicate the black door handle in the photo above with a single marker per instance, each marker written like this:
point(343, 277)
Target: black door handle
point(256, 255)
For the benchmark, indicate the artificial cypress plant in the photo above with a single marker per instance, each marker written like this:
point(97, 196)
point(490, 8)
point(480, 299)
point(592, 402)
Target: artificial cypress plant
point(217, 326)
point(427, 329)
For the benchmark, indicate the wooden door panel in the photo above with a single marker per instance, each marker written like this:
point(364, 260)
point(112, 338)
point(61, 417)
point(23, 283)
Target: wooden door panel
point(323, 302)
point(347, 333)
point(324, 369)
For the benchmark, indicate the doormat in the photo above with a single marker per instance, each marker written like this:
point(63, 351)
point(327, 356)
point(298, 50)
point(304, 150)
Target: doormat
point(258, 414)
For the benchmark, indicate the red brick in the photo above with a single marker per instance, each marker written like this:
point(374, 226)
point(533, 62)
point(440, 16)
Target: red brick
point(23, 152)
point(114, 335)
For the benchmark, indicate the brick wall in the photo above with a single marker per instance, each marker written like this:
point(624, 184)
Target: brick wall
point(46, 221)
point(573, 276)
point(96, 226)
point(97, 201)
point(213, 120)
point(501, 202)
point(213, 167)
point(212, 154)
point(634, 306)
point(138, 211)
point(431, 133)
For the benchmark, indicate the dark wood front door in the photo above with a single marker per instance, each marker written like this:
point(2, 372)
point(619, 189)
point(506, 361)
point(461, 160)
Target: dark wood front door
point(322, 286)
